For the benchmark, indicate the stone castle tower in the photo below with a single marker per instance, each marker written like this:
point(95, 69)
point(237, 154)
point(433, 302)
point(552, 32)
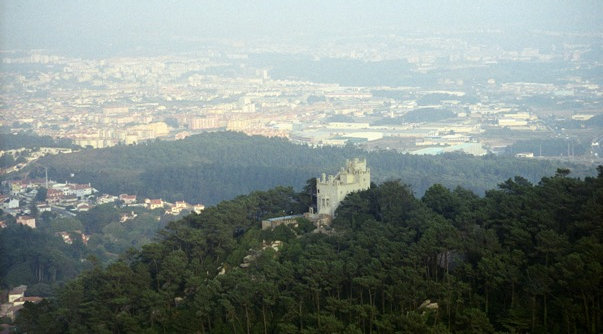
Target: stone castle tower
point(332, 190)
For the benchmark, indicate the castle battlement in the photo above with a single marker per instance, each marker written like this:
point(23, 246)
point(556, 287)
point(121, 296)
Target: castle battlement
point(332, 189)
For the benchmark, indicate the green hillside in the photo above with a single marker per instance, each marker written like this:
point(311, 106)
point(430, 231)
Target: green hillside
point(523, 259)
point(212, 167)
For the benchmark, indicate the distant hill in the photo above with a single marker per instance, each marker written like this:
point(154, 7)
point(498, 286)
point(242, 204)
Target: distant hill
point(212, 167)
point(10, 141)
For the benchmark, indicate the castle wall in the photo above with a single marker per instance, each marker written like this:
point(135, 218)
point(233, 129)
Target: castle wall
point(274, 222)
point(331, 190)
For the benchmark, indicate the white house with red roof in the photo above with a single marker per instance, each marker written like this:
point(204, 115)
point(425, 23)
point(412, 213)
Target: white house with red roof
point(154, 203)
point(80, 190)
point(54, 195)
point(127, 199)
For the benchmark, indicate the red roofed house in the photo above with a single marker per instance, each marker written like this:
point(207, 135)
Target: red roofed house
point(82, 207)
point(54, 195)
point(155, 204)
point(127, 199)
point(80, 190)
point(16, 299)
point(105, 198)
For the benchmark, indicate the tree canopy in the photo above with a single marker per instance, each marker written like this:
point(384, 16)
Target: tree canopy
point(213, 167)
point(523, 258)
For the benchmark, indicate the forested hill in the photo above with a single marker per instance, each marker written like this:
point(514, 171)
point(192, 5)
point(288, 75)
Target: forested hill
point(10, 141)
point(212, 167)
point(522, 259)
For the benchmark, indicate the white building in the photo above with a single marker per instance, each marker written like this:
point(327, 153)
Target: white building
point(333, 189)
point(13, 203)
point(79, 190)
point(27, 221)
point(198, 208)
point(16, 293)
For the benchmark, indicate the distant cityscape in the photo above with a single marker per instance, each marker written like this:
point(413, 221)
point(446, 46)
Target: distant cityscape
point(129, 100)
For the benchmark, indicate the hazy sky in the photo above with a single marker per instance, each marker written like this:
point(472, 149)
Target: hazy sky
point(93, 25)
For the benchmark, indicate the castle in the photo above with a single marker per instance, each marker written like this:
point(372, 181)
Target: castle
point(331, 190)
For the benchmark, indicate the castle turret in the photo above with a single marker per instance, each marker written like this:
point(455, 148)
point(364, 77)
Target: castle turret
point(331, 190)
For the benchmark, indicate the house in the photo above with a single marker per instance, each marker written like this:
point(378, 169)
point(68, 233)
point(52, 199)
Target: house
point(37, 183)
point(69, 200)
point(198, 208)
point(65, 236)
point(16, 293)
point(44, 207)
point(153, 204)
point(16, 300)
point(182, 204)
point(105, 198)
point(80, 190)
point(174, 210)
point(27, 220)
point(13, 203)
point(177, 208)
point(524, 155)
point(62, 187)
point(54, 195)
point(127, 199)
point(125, 217)
point(82, 207)
point(17, 186)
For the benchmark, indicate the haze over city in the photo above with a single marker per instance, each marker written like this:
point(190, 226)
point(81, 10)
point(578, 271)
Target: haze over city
point(113, 27)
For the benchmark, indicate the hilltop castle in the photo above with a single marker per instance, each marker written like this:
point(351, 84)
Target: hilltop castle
point(331, 190)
